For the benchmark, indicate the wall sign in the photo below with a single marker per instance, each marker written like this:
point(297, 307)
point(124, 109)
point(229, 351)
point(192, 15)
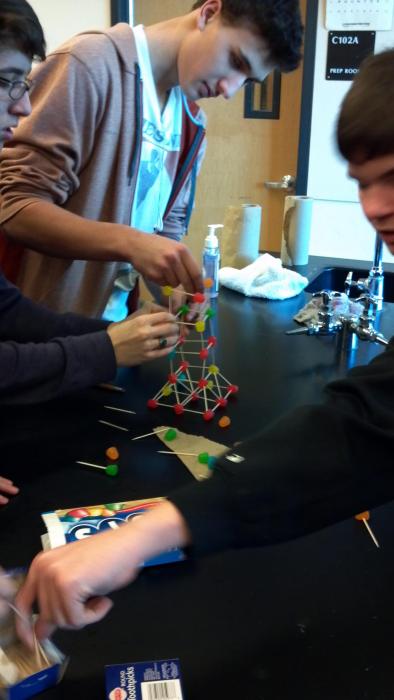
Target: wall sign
point(345, 53)
point(359, 14)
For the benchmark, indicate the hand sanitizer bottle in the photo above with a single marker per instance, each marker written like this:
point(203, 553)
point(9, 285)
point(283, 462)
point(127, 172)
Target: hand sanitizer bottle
point(211, 259)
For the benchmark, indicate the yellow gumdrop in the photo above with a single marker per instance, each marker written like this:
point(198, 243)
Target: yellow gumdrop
point(167, 391)
point(167, 291)
point(210, 384)
point(200, 326)
point(213, 369)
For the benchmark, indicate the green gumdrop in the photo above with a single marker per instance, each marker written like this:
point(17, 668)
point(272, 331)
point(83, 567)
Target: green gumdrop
point(203, 457)
point(183, 310)
point(170, 434)
point(211, 462)
point(112, 470)
point(210, 313)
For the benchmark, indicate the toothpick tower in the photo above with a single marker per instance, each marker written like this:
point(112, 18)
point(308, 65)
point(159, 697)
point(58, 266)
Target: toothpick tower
point(194, 383)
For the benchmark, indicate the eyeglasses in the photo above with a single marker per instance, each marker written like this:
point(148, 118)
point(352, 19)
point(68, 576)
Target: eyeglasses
point(17, 88)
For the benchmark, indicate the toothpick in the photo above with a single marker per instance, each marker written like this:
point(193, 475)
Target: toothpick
point(37, 646)
point(112, 425)
point(170, 452)
point(371, 533)
point(122, 410)
point(111, 387)
point(110, 469)
point(139, 437)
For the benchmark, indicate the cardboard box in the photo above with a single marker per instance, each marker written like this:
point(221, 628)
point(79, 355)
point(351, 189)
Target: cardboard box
point(37, 682)
point(144, 680)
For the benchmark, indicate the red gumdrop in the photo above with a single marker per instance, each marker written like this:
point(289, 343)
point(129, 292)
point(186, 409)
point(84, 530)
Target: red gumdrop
point(152, 403)
point(194, 397)
point(172, 378)
point(181, 340)
point(178, 409)
point(184, 365)
point(222, 403)
point(202, 383)
point(212, 341)
point(198, 298)
point(208, 415)
point(204, 354)
point(233, 389)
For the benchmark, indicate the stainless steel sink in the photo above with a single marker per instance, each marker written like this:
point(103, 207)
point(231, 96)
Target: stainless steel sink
point(334, 278)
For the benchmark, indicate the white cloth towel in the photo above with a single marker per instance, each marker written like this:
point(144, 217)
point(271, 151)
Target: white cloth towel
point(265, 277)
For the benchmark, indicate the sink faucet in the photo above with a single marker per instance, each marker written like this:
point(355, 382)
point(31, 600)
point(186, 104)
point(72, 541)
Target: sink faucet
point(326, 324)
point(363, 327)
point(374, 283)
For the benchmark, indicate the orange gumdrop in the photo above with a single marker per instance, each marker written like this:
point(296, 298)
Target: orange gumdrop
point(112, 454)
point(208, 283)
point(363, 516)
point(224, 422)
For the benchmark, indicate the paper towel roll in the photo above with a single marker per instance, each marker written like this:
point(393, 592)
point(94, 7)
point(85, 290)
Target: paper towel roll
point(296, 231)
point(240, 235)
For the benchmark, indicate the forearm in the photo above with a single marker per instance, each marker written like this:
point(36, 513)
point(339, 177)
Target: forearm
point(316, 466)
point(158, 530)
point(50, 229)
point(24, 321)
point(35, 372)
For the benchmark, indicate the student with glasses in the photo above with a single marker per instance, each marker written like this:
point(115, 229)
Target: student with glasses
point(44, 354)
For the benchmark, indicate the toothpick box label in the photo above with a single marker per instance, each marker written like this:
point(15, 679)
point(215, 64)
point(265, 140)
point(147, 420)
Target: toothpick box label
point(144, 680)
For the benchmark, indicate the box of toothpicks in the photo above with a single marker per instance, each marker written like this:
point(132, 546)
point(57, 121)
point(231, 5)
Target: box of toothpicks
point(25, 672)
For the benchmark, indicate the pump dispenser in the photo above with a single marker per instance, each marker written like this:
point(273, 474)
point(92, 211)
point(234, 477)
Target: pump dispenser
point(211, 259)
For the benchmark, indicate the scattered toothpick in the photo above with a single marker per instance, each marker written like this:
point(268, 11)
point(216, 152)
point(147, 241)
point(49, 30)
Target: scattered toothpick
point(112, 425)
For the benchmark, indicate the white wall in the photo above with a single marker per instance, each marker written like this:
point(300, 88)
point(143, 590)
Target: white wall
point(63, 18)
point(339, 228)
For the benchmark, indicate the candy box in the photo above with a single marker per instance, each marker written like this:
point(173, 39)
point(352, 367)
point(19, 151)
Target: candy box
point(77, 523)
point(144, 680)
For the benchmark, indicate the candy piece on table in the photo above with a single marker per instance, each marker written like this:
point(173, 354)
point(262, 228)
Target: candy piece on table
point(170, 435)
point(224, 422)
point(112, 454)
point(110, 469)
point(364, 517)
